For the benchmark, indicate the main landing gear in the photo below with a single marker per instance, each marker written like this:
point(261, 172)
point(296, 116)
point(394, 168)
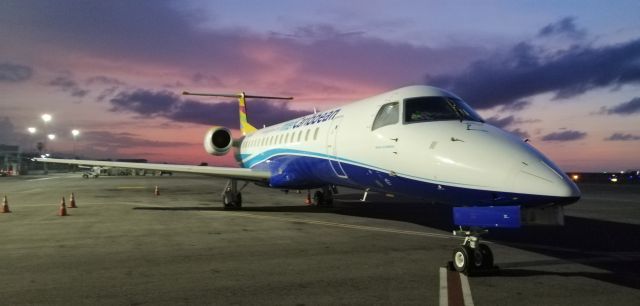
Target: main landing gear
point(324, 197)
point(231, 196)
point(472, 255)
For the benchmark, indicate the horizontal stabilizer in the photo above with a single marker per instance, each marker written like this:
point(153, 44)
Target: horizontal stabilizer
point(237, 96)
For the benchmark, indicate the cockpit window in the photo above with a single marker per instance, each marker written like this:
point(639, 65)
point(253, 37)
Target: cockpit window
point(387, 115)
point(438, 109)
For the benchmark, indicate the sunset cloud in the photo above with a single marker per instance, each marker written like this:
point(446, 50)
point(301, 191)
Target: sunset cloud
point(565, 136)
point(119, 66)
point(527, 70)
point(14, 72)
point(631, 107)
point(168, 105)
point(564, 27)
point(622, 137)
point(68, 85)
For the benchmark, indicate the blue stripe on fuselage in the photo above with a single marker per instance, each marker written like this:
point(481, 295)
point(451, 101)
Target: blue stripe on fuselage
point(296, 169)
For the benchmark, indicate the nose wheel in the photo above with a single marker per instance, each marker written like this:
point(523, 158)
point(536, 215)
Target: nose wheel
point(472, 256)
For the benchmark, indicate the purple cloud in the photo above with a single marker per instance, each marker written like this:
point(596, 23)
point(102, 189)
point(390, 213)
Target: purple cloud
point(507, 121)
point(113, 141)
point(527, 70)
point(14, 72)
point(68, 85)
point(624, 109)
point(565, 27)
point(519, 132)
point(564, 136)
point(501, 122)
point(622, 137)
point(159, 33)
point(515, 106)
point(171, 106)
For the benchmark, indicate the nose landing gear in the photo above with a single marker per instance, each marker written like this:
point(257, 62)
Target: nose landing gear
point(472, 256)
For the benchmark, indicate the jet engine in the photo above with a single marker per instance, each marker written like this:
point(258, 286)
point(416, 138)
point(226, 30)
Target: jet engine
point(218, 141)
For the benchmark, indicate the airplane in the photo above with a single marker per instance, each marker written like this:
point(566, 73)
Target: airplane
point(418, 141)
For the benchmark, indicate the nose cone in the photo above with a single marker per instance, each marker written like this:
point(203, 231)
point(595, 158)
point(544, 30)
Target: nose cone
point(541, 177)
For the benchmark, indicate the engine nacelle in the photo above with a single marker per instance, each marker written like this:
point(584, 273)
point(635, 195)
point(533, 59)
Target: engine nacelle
point(218, 141)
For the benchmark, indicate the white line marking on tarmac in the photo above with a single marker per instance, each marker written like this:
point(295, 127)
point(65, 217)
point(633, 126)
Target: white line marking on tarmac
point(44, 178)
point(466, 290)
point(444, 296)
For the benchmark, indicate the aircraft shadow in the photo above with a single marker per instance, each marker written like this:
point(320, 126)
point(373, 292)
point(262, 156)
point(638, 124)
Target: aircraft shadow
point(605, 245)
point(292, 209)
point(610, 246)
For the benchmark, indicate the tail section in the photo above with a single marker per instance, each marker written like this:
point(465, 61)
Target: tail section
point(245, 127)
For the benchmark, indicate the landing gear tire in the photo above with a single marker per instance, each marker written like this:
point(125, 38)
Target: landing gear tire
point(487, 256)
point(472, 256)
point(462, 258)
point(231, 196)
point(323, 198)
point(318, 198)
point(230, 202)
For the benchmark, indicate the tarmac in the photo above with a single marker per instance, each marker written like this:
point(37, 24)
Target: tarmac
point(125, 246)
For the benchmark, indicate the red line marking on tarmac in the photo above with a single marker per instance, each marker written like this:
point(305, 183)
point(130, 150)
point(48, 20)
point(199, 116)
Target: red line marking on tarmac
point(454, 289)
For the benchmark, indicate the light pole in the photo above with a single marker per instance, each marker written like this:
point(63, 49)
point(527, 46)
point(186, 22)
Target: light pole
point(51, 137)
point(46, 118)
point(75, 134)
point(32, 131)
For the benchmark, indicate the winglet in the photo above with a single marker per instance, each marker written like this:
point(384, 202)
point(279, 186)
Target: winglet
point(245, 127)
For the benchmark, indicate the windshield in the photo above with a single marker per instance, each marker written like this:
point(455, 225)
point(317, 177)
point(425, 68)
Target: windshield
point(438, 109)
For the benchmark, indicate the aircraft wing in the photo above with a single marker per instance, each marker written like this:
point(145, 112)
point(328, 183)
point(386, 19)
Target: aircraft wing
point(227, 172)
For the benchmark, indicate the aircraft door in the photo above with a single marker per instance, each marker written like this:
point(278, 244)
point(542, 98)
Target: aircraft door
point(332, 147)
point(385, 131)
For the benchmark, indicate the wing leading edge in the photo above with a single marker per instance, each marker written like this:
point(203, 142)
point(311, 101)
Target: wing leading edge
point(226, 172)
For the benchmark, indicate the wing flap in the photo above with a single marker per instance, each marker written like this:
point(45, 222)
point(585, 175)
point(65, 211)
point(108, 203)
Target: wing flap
point(227, 172)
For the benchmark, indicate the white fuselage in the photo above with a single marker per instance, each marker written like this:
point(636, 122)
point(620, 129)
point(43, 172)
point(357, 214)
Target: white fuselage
point(455, 161)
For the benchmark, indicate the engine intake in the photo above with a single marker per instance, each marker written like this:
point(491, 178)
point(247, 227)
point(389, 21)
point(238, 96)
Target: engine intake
point(218, 141)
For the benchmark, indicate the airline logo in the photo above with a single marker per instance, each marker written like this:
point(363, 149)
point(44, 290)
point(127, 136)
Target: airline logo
point(315, 118)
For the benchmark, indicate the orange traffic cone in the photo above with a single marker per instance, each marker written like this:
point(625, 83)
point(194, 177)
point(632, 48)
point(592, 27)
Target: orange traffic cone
point(72, 201)
point(63, 209)
point(157, 192)
point(308, 199)
point(5, 205)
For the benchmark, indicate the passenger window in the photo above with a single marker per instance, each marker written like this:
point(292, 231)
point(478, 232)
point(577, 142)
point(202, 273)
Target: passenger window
point(293, 135)
point(387, 115)
point(299, 135)
point(315, 134)
point(306, 136)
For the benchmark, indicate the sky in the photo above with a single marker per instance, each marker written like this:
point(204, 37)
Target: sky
point(564, 74)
